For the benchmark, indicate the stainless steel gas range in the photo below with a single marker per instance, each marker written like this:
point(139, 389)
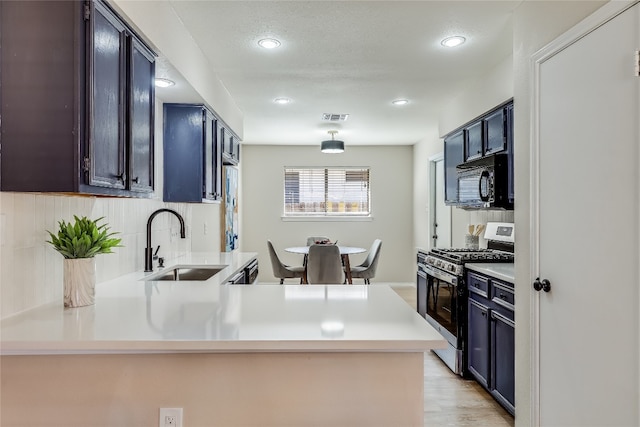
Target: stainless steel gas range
point(442, 291)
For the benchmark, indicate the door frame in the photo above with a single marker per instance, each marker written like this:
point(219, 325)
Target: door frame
point(432, 196)
point(600, 17)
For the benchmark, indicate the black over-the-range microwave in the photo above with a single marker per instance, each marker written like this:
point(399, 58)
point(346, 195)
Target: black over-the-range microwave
point(484, 183)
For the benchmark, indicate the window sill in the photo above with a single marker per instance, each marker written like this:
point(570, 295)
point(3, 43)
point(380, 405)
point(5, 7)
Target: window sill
point(326, 218)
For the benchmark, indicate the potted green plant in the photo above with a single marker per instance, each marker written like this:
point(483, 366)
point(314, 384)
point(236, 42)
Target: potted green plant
point(79, 243)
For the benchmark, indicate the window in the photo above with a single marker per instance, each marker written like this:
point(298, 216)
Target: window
point(326, 192)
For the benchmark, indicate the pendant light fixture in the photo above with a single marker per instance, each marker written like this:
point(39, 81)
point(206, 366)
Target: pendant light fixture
point(332, 145)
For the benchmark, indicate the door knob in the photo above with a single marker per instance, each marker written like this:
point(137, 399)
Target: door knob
point(543, 285)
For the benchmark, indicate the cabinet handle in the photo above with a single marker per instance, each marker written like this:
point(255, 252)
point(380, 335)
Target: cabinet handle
point(503, 296)
point(120, 177)
point(136, 179)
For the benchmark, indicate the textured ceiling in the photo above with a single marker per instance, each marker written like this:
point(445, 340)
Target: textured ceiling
point(351, 57)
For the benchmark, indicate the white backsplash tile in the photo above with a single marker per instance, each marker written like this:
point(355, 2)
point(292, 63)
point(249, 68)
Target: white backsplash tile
point(463, 218)
point(31, 270)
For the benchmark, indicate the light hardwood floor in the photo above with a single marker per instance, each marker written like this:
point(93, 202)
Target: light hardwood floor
point(450, 400)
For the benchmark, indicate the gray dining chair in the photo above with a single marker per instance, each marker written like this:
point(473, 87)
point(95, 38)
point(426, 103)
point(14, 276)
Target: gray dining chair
point(367, 270)
point(281, 270)
point(324, 265)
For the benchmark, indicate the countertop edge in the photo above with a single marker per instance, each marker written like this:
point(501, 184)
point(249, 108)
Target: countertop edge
point(169, 347)
point(500, 271)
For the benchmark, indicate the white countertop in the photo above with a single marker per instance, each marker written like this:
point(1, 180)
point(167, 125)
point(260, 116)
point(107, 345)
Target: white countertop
point(500, 270)
point(131, 315)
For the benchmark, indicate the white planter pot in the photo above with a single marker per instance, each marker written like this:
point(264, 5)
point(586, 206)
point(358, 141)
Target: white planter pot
point(79, 282)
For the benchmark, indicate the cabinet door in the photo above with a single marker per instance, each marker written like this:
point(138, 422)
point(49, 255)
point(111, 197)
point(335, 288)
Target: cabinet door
point(236, 149)
point(106, 100)
point(183, 153)
point(503, 359)
point(478, 341)
point(208, 158)
point(496, 134)
point(474, 141)
point(227, 147)
point(421, 293)
point(509, 131)
point(141, 116)
point(216, 129)
point(453, 156)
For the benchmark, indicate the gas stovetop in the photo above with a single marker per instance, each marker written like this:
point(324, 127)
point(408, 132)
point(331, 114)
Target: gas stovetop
point(465, 255)
point(453, 260)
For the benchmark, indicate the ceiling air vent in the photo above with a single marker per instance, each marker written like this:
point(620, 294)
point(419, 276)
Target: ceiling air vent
point(330, 117)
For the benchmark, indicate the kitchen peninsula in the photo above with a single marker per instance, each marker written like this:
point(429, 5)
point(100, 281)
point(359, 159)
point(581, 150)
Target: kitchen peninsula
point(228, 355)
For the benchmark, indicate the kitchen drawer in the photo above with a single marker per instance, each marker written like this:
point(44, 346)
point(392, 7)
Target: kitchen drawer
point(478, 284)
point(503, 294)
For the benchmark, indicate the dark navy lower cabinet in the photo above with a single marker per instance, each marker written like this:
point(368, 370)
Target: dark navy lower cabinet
point(478, 342)
point(503, 360)
point(490, 348)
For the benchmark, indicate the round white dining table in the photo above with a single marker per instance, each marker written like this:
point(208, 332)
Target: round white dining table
point(345, 251)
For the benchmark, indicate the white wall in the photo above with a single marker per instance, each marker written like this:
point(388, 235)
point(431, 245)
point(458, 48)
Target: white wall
point(477, 96)
point(422, 151)
point(391, 177)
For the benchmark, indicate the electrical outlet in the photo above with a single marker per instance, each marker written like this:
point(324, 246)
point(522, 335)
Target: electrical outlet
point(170, 417)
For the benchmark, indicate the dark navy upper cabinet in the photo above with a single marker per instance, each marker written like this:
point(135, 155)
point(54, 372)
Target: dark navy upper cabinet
point(453, 156)
point(509, 131)
point(107, 74)
point(474, 142)
point(192, 164)
point(230, 147)
point(141, 117)
point(78, 100)
point(495, 126)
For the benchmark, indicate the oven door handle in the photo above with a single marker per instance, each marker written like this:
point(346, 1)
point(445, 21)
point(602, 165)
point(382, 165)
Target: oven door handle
point(441, 275)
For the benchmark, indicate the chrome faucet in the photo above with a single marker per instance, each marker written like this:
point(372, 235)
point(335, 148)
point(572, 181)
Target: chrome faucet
point(148, 252)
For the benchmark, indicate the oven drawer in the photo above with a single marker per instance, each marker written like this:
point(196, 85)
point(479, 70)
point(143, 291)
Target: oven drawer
point(503, 294)
point(478, 284)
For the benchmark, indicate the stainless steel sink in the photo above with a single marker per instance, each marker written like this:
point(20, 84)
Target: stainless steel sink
point(186, 273)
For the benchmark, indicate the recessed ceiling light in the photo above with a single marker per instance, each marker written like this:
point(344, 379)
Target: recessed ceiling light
point(282, 101)
point(164, 82)
point(453, 41)
point(269, 43)
point(400, 102)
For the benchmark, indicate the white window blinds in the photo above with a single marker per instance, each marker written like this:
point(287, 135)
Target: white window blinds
point(326, 191)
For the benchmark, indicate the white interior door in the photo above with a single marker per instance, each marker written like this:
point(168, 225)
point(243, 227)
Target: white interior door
point(441, 213)
point(585, 213)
